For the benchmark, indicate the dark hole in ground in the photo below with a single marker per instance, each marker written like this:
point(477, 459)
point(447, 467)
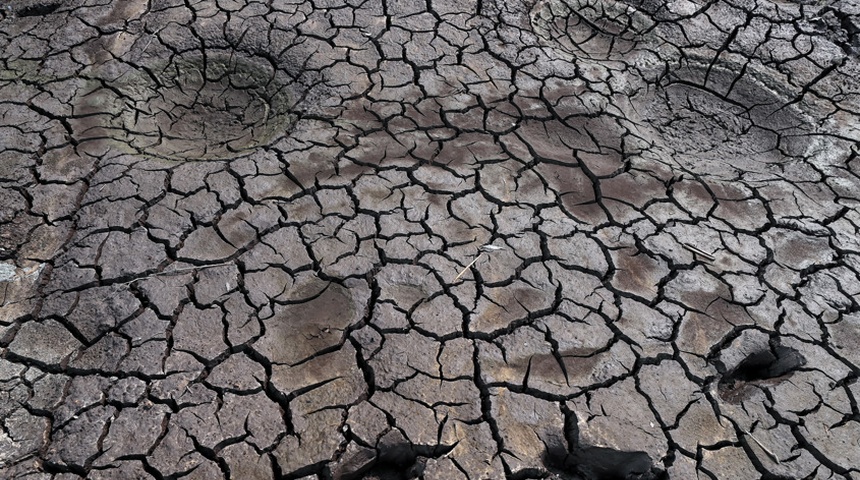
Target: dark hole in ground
point(38, 10)
point(401, 461)
point(599, 463)
point(764, 365)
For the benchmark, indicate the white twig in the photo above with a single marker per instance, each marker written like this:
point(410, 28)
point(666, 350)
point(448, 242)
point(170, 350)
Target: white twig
point(467, 266)
point(698, 251)
point(151, 38)
point(178, 271)
point(483, 249)
point(766, 450)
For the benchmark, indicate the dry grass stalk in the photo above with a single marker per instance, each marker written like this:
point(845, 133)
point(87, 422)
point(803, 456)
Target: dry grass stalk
point(766, 450)
point(484, 249)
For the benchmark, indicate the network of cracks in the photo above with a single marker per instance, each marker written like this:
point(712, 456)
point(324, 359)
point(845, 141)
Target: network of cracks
point(387, 239)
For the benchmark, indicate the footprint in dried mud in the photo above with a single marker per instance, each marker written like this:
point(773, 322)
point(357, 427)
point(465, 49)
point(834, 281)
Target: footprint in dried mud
point(590, 29)
point(725, 122)
point(205, 105)
point(713, 118)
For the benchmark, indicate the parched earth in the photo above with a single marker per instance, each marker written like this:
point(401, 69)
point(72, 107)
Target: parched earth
point(440, 239)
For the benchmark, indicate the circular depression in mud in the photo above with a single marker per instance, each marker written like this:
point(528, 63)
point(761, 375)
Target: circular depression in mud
point(723, 121)
point(598, 29)
point(207, 105)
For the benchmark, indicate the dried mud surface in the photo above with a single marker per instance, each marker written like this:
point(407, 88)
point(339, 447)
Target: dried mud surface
point(474, 239)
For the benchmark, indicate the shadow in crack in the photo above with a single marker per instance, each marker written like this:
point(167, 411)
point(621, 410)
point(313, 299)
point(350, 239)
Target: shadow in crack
point(599, 463)
point(769, 364)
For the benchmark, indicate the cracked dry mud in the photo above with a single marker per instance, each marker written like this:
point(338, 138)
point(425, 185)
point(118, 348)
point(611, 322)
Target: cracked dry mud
point(247, 239)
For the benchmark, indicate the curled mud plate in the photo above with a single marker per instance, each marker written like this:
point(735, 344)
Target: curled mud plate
point(212, 105)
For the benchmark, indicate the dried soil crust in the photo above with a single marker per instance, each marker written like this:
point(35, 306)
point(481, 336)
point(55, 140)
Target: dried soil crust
point(475, 253)
point(199, 106)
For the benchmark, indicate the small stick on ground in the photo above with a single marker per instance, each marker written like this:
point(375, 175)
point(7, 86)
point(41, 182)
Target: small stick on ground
point(151, 38)
point(466, 268)
point(698, 251)
point(484, 249)
point(178, 271)
point(766, 450)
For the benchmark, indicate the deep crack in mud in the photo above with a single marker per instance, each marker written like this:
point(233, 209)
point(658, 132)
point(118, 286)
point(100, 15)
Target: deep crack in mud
point(555, 239)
